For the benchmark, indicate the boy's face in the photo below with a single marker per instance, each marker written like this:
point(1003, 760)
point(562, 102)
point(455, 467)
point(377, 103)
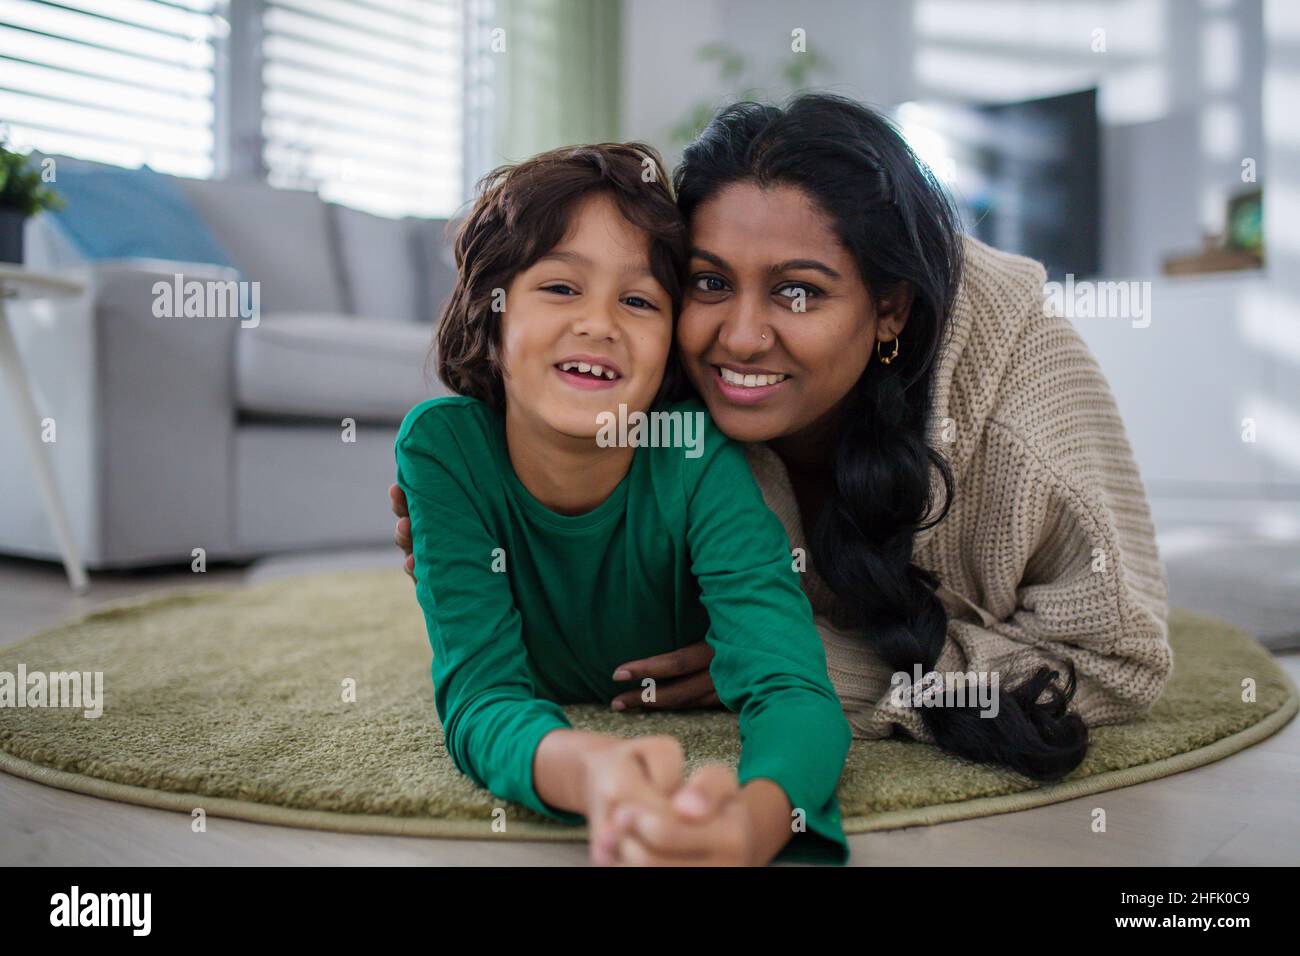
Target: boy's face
point(591, 301)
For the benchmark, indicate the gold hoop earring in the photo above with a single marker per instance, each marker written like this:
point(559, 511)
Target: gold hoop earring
point(886, 359)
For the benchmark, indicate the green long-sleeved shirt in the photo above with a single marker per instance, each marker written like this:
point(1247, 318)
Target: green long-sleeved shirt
point(528, 609)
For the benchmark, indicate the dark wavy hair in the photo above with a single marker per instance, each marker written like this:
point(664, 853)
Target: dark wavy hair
point(522, 212)
point(902, 230)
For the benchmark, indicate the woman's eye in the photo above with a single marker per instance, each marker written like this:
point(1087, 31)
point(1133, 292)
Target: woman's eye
point(710, 283)
point(798, 292)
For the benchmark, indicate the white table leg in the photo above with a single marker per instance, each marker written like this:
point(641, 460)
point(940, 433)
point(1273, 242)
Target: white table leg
point(11, 370)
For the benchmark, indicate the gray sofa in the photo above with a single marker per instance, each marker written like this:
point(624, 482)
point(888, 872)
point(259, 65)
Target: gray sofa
point(180, 433)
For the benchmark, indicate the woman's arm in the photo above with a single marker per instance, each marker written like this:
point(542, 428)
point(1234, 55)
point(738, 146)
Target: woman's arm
point(1083, 583)
point(1074, 600)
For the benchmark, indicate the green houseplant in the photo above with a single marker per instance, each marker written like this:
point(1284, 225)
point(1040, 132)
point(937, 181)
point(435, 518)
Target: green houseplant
point(738, 79)
point(23, 193)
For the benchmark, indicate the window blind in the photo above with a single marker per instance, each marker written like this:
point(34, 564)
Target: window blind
point(116, 81)
point(363, 101)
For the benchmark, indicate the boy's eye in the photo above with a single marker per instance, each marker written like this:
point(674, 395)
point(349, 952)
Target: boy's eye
point(560, 289)
point(639, 303)
point(710, 283)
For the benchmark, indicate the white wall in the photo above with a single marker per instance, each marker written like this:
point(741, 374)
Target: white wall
point(866, 43)
point(1178, 81)
point(1222, 354)
point(1188, 88)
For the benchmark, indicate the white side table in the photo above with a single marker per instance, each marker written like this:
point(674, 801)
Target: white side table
point(19, 283)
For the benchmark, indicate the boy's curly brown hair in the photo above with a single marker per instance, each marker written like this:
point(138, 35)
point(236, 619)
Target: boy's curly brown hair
point(522, 213)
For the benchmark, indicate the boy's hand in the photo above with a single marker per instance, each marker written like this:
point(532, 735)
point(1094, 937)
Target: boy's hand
point(402, 537)
point(690, 685)
point(711, 821)
point(642, 770)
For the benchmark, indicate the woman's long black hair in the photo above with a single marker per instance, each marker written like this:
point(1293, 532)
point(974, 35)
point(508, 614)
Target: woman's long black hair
point(901, 228)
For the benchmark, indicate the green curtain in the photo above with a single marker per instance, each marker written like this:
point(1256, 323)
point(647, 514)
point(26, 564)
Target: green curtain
point(557, 82)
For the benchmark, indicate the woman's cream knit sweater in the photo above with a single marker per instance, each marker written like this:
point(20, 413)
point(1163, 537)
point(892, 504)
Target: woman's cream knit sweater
point(1048, 552)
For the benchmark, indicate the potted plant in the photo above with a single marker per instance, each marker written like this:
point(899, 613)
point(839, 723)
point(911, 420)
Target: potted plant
point(22, 194)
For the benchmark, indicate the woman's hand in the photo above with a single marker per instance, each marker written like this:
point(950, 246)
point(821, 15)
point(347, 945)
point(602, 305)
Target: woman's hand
point(682, 680)
point(643, 770)
point(711, 821)
point(402, 537)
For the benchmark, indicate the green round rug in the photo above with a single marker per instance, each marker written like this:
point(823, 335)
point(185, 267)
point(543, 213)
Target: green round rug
point(233, 701)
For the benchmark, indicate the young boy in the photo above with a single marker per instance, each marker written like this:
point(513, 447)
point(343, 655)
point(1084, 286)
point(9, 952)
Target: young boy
point(545, 555)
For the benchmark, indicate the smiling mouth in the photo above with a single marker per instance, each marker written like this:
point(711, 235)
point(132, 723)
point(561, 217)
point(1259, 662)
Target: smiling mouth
point(588, 371)
point(749, 379)
point(747, 388)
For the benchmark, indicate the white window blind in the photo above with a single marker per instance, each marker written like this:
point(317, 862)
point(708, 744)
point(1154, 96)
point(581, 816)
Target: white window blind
point(362, 100)
point(116, 81)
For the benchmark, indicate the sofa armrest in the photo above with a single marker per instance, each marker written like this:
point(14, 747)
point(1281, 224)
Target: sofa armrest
point(145, 413)
point(165, 389)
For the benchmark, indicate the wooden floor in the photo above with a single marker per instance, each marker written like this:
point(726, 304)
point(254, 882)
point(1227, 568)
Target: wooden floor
point(1240, 811)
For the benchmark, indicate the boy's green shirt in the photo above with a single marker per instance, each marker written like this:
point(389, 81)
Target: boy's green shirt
point(528, 609)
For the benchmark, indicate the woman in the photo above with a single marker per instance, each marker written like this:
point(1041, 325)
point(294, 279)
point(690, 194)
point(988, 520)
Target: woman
point(943, 451)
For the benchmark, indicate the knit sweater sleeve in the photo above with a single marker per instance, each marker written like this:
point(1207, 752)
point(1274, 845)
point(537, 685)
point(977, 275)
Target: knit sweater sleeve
point(1058, 555)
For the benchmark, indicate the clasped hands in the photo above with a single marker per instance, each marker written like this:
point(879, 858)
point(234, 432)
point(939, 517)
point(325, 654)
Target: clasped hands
point(641, 810)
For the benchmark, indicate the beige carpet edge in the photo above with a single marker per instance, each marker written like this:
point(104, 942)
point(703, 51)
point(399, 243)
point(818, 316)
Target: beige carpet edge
point(379, 825)
point(1083, 786)
point(253, 812)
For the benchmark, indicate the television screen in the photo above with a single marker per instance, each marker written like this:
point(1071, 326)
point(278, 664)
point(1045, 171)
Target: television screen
point(1026, 176)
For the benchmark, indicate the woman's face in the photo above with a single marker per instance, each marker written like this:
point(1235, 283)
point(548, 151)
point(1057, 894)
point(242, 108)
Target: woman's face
point(777, 325)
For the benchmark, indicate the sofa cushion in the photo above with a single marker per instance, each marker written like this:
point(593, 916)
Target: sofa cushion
point(111, 212)
point(378, 265)
point(332, 367)
point(279, 237)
